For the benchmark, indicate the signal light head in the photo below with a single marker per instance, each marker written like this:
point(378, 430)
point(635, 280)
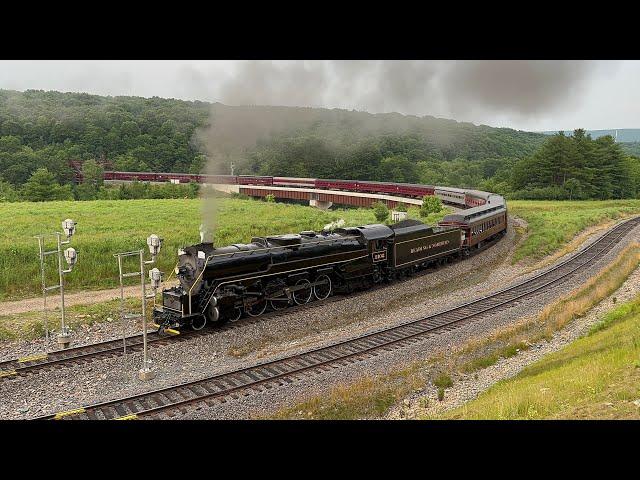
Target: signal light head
point(155, 276)
point(69, 227)
point(155, 243)
point(71, 256)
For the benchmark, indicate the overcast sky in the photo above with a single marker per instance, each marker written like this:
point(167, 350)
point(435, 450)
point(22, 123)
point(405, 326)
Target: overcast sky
point(526, 95)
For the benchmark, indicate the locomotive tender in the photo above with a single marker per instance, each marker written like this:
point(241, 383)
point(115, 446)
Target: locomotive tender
point(221, 284)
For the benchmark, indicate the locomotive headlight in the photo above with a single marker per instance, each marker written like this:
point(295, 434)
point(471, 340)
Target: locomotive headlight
point(155, 276)
point(154, 242)
point(69, 227)
point(71, 256)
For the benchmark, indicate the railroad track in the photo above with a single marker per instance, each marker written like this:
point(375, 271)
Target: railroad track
point(261, 377)
point(84, 354)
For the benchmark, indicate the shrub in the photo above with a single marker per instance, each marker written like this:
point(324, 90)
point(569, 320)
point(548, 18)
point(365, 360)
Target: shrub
point(443, 381)
point(42, 186)
point(380, 211)
point(7, 192)
point(271, 198)
point(430, 204)
point(401, 207)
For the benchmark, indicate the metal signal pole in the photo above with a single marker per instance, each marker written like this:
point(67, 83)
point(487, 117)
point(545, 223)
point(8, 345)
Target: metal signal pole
point(71, 256)
point(154, 242)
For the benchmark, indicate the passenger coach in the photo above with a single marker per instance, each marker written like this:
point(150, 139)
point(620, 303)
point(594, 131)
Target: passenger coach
point(479, 224)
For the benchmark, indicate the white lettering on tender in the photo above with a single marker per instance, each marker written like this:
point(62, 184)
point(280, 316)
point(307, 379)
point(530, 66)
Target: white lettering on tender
point(422, 248)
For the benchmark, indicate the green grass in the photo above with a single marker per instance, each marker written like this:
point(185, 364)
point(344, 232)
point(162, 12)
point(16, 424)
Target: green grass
point(615, 315)
point(492, 358)
point(443, 381)
point(106, 227)
point(597, 376)
point(553, 224)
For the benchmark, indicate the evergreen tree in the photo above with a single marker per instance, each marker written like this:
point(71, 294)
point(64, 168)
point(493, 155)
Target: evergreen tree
point(42, 186)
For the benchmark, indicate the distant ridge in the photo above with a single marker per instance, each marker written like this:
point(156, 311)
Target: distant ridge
point(624, 134)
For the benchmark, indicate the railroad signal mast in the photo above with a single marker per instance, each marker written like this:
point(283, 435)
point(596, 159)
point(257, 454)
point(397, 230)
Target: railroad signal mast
point(71, 257)
point(154, 243)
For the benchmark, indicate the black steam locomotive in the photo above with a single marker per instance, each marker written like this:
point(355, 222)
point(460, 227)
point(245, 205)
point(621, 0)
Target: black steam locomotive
point(222, 284)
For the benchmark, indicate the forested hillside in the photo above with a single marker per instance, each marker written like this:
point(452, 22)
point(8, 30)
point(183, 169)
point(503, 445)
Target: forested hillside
point(46, 129)
point(40, 132)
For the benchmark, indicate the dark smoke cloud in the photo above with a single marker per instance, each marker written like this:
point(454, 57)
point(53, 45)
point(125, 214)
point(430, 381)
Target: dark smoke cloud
point(445, 88)
point(270, 83)
point(453, 89)
point(524, 88)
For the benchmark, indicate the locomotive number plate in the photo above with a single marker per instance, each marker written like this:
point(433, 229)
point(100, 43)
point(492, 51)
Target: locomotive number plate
point(379, 256)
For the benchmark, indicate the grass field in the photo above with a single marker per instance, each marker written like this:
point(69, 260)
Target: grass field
point(106, 227)
point(597, 376)
point(553, 224)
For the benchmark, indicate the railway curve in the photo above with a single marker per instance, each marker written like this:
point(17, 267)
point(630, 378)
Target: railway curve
point(242, 382)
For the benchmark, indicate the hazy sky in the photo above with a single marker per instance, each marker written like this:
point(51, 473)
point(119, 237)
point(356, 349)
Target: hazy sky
point(527, 95)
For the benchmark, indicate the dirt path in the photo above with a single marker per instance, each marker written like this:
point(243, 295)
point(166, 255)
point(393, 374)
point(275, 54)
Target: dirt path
point(79, 298)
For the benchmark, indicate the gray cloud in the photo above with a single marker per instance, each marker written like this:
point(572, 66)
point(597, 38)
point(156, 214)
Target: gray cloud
point(530, 95)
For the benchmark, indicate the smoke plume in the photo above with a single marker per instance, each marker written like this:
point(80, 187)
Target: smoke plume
point(462, 90)
point(439, 88)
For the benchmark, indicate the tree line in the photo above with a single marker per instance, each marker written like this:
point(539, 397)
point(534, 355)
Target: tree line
point(577, 167)
point(42, 186)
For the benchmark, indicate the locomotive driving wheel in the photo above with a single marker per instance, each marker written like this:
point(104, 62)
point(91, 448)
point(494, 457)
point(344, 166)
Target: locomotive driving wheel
point(234, 314)
point(303, 295)
point(256, 306)
point(281, 301)
point(322, 287)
